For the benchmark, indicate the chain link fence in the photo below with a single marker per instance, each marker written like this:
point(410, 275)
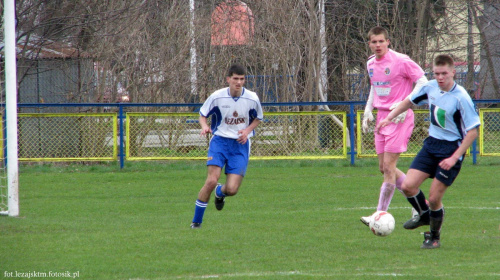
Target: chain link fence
point(63, 137)
point(164, 136)
point(169, 136)
point(281, 135)
point(489, 132)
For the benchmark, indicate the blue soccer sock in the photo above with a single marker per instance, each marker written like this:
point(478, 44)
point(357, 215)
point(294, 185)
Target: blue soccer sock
point(199, 211)
point(218, 191)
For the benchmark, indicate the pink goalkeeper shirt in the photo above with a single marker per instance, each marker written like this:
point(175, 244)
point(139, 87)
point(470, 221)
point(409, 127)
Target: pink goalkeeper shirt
point(392, 78)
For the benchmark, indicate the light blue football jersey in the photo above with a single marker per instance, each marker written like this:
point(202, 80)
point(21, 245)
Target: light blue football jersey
point(230, 115)
point(452, 113)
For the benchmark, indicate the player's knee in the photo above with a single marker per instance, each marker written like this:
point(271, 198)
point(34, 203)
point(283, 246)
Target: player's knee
point(434, 203)
point(388, 170)
point(231, 190)
point(408, 190)
point(211, 183)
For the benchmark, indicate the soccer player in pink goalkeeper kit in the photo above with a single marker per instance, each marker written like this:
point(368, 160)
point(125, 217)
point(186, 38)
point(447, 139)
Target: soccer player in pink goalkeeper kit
point(392, 77)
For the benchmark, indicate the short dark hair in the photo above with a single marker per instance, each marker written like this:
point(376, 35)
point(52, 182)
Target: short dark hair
point(378, 30)
point(236, 69)
point(444, 60)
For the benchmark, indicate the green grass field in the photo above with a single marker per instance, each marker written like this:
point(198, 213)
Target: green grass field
point(290, 220)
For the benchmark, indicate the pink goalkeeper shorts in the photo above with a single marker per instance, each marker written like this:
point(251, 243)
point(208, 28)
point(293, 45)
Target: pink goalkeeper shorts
point(394, 137)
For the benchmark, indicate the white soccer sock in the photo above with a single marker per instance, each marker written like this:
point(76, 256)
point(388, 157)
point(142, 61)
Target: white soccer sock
point(386, 193)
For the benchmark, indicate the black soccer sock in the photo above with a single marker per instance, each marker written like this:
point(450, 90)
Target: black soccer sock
point(418, 203)
point(436, 222)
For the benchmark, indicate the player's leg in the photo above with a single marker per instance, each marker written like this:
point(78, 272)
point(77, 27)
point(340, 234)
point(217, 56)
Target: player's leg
point(213, 176)
point(233, 183)
point(397, 143)
point(236, 166)
point(204, 194)
point(230, 188)
point(400, 175)
point(379, 149)
point(442, 181)
point(389, 145)
point(387, 165)
point(415, 196)
point(400, 178)
point(380, 157)
point(388, 186)
point(215, 163)
point(436, 193)
point(424, 166)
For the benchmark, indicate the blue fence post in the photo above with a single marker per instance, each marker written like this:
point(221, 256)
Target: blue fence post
point(121, 129)
point(474, 152)
point(352, 117)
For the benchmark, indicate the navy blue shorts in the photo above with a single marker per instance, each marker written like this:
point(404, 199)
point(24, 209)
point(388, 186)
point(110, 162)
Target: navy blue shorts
point(431, 154)
point(229, 153)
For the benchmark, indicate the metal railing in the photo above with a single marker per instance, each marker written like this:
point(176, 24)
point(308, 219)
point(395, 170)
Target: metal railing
point(124, 131)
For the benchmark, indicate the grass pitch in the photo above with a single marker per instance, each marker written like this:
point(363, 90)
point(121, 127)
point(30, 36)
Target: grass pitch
point(290, 220)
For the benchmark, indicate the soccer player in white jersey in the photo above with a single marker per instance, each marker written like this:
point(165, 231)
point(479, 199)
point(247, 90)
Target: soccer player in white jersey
point(392, 76)
point(235, 112)
point(453, 128)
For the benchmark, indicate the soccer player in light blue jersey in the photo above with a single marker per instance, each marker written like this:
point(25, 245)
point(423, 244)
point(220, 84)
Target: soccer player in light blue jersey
point(235, 112)
point(453, 128)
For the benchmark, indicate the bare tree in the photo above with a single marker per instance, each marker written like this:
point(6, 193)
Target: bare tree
point(142, 48)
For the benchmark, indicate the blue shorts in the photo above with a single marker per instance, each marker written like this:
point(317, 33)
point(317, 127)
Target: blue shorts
point(229, 153)
point(431, 154)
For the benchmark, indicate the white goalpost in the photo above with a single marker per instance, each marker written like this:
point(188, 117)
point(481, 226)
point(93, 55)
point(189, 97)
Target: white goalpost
point(9, 179)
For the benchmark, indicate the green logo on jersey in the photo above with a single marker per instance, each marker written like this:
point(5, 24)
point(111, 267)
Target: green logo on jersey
point(440, 117)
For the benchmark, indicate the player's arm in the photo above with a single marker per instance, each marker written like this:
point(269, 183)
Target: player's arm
point(204, 125)
point(418, 85)
point(402, 107)
point(448, 163)
point(368, 115)
point(243, 134)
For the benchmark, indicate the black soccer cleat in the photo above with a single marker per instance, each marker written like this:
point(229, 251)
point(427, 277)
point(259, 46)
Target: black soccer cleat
point(219, 202)
point(417, 221)
point(430, 242)
point(195, 225)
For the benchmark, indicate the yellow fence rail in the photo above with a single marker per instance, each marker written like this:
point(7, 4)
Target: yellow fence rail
point(489, 132)
point(282, 135)
point(170, 136)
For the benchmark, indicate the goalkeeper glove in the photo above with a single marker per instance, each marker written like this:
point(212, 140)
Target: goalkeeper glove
point(367, 117)
point(399, 118)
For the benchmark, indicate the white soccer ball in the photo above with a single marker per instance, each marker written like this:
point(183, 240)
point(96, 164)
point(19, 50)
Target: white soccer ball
point(382, 223)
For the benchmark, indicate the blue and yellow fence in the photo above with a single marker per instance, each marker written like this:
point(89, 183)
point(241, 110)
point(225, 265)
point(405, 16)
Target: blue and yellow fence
point(67, 137)
point(282, 135)
point(133, 132)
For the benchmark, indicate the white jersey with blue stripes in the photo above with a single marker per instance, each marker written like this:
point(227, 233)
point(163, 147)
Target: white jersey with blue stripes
point(230, 115)
point(452, 113)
